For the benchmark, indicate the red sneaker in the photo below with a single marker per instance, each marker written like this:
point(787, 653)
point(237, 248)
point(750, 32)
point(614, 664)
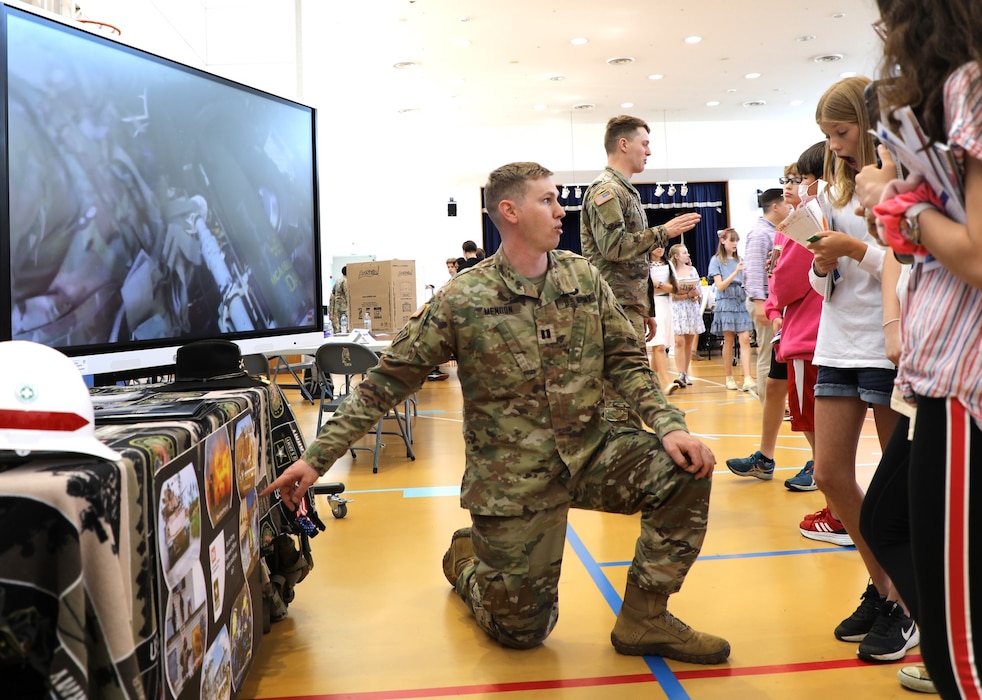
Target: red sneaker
point(823, 527)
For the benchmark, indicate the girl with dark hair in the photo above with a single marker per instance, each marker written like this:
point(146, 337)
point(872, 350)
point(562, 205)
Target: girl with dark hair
point(932, 63)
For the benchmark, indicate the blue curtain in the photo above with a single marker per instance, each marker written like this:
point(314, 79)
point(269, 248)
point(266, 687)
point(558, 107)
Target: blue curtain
point(706, 198)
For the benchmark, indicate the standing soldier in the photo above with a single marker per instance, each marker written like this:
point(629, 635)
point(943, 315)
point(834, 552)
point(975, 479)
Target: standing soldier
point(338, 303)
point(616, 238)
point(534, 333)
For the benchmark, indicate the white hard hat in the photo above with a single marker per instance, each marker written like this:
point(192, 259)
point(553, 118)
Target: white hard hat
point(44, 403)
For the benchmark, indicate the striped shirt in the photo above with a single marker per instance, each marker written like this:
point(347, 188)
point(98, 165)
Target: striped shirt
point(942, 354)
point(760, 242)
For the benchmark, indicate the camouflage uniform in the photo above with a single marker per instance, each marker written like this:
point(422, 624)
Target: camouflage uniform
point(338, 304)
point(615, 237)
point(531, 365)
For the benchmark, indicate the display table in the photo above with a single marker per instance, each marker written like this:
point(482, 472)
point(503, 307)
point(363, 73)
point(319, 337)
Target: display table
point(142, 578)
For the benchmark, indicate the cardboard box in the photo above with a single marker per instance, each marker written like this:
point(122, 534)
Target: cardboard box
point(386, 289)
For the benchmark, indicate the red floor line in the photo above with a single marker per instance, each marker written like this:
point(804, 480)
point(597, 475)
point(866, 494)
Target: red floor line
point(697, 674)
point(728, 672)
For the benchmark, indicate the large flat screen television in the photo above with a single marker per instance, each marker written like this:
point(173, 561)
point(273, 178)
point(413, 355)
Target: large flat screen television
point(145, 204)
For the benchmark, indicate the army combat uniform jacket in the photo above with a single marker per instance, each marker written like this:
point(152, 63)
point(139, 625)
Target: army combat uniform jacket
point(615, 237)
point(338, 304)
point(531, 367)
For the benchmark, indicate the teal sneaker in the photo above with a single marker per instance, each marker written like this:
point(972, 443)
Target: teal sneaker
point(756, 465)
point(803, 480)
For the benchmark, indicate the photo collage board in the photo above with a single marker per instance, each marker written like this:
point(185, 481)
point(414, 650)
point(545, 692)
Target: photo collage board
point(210, 585)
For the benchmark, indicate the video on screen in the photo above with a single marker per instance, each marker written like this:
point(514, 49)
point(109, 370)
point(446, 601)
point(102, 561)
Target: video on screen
point(149, 201)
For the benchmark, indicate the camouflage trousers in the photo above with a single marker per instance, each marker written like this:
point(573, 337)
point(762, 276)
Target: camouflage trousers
point(513, 587)
point(616, 409)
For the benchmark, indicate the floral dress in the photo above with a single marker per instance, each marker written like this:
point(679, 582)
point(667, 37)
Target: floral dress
point(687, 313)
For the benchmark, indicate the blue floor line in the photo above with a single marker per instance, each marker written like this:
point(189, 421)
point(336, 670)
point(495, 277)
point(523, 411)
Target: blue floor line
point(750, 555)
point(432, 491)
point(659, 669)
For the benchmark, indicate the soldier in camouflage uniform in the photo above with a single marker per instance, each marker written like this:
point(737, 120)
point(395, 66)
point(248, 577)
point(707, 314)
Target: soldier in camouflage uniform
point(616, 238)
point(338, 303)
point(536, 332)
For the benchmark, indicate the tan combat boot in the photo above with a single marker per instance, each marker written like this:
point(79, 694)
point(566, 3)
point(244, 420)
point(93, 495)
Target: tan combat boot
point(646, 628)
point(459, 556)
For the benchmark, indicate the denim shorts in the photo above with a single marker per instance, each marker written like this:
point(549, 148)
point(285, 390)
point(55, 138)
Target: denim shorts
point(872, 385)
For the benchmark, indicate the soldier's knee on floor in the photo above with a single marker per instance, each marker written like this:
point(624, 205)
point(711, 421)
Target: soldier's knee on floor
point(525, 633)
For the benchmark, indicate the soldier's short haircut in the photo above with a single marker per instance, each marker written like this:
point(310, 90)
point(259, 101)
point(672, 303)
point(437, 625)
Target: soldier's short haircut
point(622, 127)
point(510, 182)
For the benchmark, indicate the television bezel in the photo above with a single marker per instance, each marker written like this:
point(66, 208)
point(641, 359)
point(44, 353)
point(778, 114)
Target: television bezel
point(148, 358)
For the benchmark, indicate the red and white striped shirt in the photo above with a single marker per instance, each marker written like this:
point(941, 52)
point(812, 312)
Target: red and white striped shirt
point(942, 354)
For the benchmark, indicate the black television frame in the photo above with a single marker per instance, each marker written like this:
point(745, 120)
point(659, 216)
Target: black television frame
point(149, 356)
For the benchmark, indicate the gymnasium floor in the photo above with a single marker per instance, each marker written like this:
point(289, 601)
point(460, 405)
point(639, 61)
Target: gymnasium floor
point(376, 618)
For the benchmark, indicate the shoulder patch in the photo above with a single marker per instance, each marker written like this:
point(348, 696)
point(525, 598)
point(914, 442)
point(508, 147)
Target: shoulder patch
point(602, 196)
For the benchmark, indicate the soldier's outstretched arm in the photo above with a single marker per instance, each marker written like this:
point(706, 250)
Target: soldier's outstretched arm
point(293, 483)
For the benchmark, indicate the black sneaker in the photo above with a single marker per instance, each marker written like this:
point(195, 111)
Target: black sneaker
point(855, 627)
point(892, 634)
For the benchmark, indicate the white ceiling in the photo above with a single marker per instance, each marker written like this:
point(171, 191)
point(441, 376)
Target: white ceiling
point(516, 46)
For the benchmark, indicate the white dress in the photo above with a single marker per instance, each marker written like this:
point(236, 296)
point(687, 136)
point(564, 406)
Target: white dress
point(665, 334)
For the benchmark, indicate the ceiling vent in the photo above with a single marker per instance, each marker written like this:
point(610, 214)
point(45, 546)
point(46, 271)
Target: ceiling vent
point(828, 58)
point(621, 61)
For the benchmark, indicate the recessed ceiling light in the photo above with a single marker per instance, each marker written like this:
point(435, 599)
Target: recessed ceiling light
point(461, 43)
point(465, 19)
point(752, 76)
point(732, 90)
point(848, 74)
point(620, 61)
point(713, 103)
point(557, 78)
point(405, 65)
point(407, 110)
point(805, 37)
point(838, 15)
point(754, 103)
point(583, 106)
point(828, 58)
point(796, 103)
point(692, 39)
point(627, 105)
point(655, 76)
point(540, 107)
point(578, 41)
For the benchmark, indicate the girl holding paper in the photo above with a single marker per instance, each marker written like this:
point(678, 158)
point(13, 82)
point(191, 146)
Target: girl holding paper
point(933, 60)
point(854, 371)
point(731, 318)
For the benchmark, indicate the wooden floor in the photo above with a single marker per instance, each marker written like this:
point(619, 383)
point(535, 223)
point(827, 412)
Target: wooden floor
point(377, 619)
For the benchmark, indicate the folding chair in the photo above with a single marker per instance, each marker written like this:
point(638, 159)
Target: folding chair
point(299, 372)
point(350, 359)
point(256, 364)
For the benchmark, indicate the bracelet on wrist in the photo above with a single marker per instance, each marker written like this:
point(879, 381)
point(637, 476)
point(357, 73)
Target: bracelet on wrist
point(887, 323)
